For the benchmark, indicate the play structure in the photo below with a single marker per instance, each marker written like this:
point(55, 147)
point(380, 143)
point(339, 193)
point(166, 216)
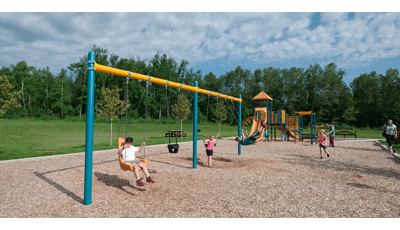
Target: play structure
point(280, 124)
point(93, 67)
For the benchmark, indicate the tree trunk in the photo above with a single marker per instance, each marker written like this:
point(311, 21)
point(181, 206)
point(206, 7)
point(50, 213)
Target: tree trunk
point(111, 132)
point(181, 130)
point(80, 110)
point(23, 97)
point(47, 90)
point(30, 105)
point(62, 104)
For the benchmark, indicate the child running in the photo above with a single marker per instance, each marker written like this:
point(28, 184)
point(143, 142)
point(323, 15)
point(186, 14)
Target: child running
point(210, 144)
point(128, 152)
point(250, 140)
point(322, 142)
point(332, 135)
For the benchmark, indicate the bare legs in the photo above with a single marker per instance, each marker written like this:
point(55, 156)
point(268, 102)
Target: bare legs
point(136, 170)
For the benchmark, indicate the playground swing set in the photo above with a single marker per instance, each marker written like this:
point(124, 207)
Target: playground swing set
point(276, 122)
point(94, 67)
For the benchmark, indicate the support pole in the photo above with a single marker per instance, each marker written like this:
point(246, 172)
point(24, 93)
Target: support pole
point(267, 119)
point(312, 127)
point(89, 130)
point(295, 127)
point(239, 126)
point(195, 106)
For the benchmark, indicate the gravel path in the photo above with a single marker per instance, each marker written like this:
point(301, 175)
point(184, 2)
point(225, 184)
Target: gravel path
point(270, 179)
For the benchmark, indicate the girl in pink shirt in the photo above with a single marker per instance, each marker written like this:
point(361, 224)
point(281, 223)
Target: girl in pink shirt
point(322, 142)
point(210, 143)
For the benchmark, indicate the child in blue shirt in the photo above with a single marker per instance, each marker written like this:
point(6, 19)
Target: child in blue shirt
point(332, 135)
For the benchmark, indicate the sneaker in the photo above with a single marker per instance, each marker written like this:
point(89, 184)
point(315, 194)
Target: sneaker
point(210, 166)
point(150, 180)
point(140, 183)
point(327, 155)
point(321, 158)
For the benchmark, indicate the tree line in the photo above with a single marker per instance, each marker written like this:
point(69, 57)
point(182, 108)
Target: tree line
point(369, 100)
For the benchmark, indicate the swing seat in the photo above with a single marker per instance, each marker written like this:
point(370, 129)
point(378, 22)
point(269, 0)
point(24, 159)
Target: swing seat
point(173, 148)
point(126, 166)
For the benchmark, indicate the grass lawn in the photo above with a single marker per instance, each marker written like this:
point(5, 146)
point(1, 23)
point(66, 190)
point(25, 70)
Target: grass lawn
point(371, 133)
point(23, 138)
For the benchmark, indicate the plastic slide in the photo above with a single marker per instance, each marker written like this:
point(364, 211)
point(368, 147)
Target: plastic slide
point(291, 134)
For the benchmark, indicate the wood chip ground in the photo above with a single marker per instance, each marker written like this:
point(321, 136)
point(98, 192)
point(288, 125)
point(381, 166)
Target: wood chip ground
point(269, 179)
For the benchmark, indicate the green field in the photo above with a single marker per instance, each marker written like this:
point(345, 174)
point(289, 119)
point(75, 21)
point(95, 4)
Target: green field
point(24, 138)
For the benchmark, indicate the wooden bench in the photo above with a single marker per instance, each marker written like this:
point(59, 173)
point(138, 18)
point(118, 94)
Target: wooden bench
point(175, 133)
point(345, 133)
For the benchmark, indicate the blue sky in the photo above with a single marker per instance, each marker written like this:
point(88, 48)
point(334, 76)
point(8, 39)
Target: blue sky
point(218, 42)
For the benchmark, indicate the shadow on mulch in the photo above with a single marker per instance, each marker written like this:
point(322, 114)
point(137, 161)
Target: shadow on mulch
point(163, 162)
point(198, 161)
point(116, 182)
point(222, 159)
point(364, 186)
point(357, 185)
point(227, 163)
point(59, 170)
point(340, 166)
point(60, 187)
point(394, 159)
point(360, 149)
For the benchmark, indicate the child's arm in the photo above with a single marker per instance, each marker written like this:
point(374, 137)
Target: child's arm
point(243, 135)
point(204, 139)
point(141, 147)
point(329, 132)
point(217, 135)
point(247, 134)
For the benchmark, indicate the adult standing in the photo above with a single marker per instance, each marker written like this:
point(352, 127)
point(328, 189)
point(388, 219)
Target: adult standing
point(391, 133)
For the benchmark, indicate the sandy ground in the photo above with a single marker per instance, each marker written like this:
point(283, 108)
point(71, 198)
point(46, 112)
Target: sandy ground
point(269, 179)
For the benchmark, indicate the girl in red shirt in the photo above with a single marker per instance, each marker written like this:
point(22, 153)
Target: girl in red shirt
point(210, 143)
point(322, 142)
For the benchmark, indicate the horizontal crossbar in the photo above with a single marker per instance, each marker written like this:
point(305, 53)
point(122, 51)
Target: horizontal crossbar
point(125, 73)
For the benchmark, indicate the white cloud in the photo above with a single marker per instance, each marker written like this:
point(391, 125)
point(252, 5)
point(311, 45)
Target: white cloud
point(58, 39)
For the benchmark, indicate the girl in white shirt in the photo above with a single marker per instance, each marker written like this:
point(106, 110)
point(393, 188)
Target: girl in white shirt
point(128, 152)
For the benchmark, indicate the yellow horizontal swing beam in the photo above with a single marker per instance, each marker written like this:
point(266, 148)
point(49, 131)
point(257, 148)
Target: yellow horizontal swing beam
point(125, 73)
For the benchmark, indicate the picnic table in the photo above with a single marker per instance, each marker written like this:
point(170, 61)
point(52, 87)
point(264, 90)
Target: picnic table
point(347, 133)
point(175, 133)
